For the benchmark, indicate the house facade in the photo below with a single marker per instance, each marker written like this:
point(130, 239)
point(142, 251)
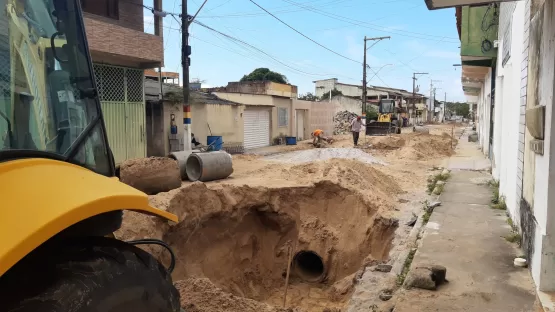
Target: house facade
point(508, 73)
point(121, 51)
point(266, 112)
point(412, 105)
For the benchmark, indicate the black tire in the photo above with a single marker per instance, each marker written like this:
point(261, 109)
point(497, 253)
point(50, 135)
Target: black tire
point(90, 275)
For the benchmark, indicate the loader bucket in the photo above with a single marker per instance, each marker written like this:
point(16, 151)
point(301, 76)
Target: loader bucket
point(379, 128)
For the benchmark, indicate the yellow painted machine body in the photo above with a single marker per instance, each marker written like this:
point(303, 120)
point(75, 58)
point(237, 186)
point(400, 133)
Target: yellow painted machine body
point(384, 117)
point(41, 197)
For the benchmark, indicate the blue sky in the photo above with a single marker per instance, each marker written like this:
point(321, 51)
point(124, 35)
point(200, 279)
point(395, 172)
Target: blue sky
point(421, 41)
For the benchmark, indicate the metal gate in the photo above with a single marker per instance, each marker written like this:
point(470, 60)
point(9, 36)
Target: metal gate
point(121, 92)
point(256, 128)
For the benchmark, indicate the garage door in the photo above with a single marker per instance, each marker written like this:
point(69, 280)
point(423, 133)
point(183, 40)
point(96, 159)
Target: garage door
point(257, 128)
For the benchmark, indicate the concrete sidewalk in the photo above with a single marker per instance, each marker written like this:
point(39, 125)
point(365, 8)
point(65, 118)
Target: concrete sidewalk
point(467, 237)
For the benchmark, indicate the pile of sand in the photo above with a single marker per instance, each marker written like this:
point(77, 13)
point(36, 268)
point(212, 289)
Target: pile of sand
point(348, 173)
point(325, 154)
point(201, 295)
point(386, 142)
point(415, 146)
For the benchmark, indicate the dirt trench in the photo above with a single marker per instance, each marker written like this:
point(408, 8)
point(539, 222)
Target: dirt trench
point(233, 242)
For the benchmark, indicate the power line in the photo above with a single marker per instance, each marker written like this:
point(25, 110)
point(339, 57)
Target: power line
point(285, 11)
point(361, 23)
point(316, 42)
point(300, 33)
point(255, 48)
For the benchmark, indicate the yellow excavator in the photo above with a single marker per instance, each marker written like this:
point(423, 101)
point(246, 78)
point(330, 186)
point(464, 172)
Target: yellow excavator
point(60, 201)
point(388, 122)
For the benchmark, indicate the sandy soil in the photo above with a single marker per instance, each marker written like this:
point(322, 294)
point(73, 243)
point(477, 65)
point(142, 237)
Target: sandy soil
point(234, 236)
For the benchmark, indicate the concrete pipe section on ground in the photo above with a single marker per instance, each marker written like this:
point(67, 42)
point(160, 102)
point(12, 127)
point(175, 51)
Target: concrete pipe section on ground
point(209, 166)
point(181, 158)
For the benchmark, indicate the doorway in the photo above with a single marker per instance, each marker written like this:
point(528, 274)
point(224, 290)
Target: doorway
point(300, 124)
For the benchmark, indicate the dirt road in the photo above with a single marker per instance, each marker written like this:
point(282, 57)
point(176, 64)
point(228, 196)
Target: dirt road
point(339, 209)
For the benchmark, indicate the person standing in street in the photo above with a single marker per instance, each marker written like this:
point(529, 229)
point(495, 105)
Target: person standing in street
point(356, 127)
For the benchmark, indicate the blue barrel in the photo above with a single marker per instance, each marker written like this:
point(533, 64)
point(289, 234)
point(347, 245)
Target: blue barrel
point(215, 142)
point(290, 141)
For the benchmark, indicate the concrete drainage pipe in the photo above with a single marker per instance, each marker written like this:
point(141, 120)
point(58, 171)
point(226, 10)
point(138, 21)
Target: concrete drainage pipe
point(309, 266)
point(209, 166)
point(181, 158)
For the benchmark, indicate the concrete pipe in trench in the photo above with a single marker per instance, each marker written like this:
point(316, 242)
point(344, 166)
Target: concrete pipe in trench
point(309, 266)
point(209, 166)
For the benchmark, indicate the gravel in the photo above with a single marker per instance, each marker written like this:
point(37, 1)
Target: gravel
point(305, 156)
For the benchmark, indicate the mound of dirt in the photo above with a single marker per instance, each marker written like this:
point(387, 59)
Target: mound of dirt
point(239, 236)
point(387, 142)
point(348, 173)
point(423, 146)
point(201, 295)
point(299, 157)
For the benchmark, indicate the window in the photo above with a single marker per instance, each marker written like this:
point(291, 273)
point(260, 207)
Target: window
point(283, 117)
point(107, 8)
point(507, 43)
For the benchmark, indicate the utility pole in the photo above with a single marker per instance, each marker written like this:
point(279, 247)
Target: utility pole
point(185, 52)
point(186, 62)
point(432, 99)
point(414, 93)
point(364, 83)
point(444, 105)
point(364, 65)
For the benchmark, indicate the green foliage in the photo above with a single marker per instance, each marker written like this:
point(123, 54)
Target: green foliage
point(500, 205)
point(432, 181)
point(459, 109)
point(371, 113)
point(173, 97)
point(264, 74)
point(334, 92)
point(438, 190)
point(308, 97)
point(406, 267)
point(495, 198)
point(514, 237)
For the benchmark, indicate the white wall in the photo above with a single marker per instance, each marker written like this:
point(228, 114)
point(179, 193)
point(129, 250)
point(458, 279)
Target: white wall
point(544, 192)
point(508, 107)
point(322, 86)
point(484, 109)
point(343, 103)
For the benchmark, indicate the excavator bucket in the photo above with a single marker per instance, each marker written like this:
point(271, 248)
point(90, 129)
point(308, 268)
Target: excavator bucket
point(379, 128)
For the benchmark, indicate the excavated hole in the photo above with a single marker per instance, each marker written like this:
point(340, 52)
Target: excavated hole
point(237, 238)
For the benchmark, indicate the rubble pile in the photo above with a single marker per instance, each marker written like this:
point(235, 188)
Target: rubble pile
point(342, 122)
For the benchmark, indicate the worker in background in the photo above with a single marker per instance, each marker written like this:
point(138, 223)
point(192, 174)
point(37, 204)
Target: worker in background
point(317, 136)
point(194, 141)
point(356, 127)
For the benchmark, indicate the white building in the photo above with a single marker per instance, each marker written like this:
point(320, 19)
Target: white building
point(511, 77)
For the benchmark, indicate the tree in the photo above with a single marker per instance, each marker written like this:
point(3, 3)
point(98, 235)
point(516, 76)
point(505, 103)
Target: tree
point(308, 97)
point(264, 74)
point(459, 109)
point(371, 112)
point(334, 92)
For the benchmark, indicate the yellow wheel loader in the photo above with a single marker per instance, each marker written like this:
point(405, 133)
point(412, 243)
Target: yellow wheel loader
point(60, 201)
point(388, 121)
